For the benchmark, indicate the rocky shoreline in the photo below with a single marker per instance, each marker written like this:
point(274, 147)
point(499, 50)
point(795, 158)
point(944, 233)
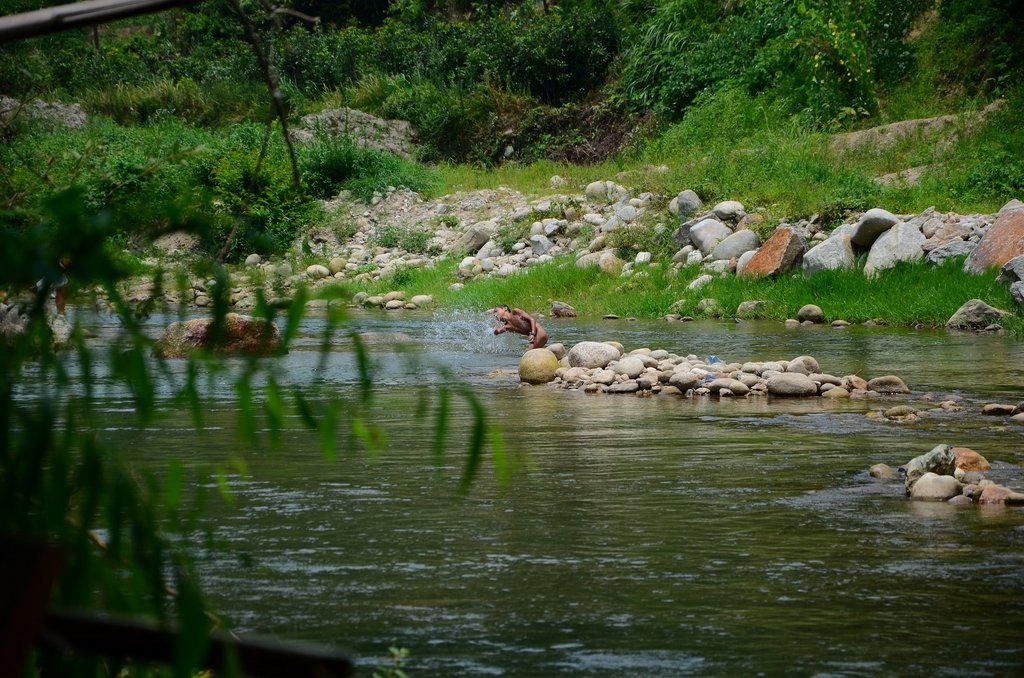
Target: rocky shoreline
point(721, 241)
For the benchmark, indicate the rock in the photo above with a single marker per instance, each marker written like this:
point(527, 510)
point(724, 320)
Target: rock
point(394, 305)
point(476, 236)
point(592, 354)
point(804, 364)
point(900, 412)
point(700, 281)
point(833, 253)
point(558, 349)
point(884, 472)
point(998, 494)
point(852, 382)
point(902, 242)
point(792, 385)
point(735, 386)
point(975, 315)
point(541, 244)
point(317, 271)
point(685, 204)
point(393, 136)
point(422, 300)
point(253, 260)
point(630, 366)
point(1003, 241)
point(997, 410)
point(888, 385)
point(600, 376)
point(605, 192)
point(969, 460)
point(736, 245)
point(837, 392)
point(729, 210)
point(708, 233)
point(629, 386)
point(1012, 271)
point(394, 295)
point(337, 265)
point(810, 312)
point(871, 225)
point(1017, 291)
point(783, 250)
point(239, 335)
point(751, 309)
point(684, 381)
point(538, 366)
point(609, 263)
point(957, 248)
point(933, 487)
point(560, 309)
point(940, 460)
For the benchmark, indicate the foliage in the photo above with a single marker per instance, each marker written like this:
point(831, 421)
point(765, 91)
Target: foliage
point(630, 239)
point(402, 236)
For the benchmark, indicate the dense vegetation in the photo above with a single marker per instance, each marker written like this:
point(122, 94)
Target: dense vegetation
point(736, 98)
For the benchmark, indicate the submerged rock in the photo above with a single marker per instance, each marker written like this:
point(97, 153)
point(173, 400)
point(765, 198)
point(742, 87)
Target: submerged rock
point(238, 335)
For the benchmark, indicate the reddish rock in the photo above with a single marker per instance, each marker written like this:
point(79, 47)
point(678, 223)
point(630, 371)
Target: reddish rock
point(969, 460)
point(1003, 241)
point(240, 335)
point(852, 382)
point(780, 253)
point(998, 494)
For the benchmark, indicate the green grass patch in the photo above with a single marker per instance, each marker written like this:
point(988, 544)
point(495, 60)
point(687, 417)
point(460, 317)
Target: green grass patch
point(906, 296)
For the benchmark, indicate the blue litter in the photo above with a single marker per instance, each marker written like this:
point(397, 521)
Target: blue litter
point(712, 359)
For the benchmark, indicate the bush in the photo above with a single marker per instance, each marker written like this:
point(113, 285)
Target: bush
point(262, 203)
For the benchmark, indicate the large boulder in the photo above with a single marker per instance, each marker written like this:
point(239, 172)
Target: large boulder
point(685, 204)
point(902, 242)
point(871, 225)
point(238, 335)
point(969, 460)
point(804, 364)
point(476, 236)
point(834, 252)
point(729, 210)
point(940, 460)
point(1003, 241)
point(792, 385)
point(934, 487)
point(778, 254)
point(538, 366)
point(975, 314)
point(735, 245)
point(889, 384)
point(708, 233)
point(592, 354)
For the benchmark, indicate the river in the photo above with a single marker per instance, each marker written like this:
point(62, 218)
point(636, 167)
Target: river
point(635, 536)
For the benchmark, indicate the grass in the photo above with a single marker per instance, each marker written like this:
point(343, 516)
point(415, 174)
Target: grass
point(907, 295)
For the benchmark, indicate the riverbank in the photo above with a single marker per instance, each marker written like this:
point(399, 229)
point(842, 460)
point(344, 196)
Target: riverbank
point(609, 251)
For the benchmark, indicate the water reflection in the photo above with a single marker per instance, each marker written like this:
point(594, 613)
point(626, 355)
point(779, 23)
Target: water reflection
point(654, 537)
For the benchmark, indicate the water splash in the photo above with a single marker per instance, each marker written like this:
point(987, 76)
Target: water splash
point(468, 330)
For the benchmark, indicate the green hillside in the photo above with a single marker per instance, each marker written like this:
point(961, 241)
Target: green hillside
point(736, 99)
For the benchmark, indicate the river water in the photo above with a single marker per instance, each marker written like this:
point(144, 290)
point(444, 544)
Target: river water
point(637, 536)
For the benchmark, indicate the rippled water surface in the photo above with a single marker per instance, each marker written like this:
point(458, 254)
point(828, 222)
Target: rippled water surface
point(638, 536)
